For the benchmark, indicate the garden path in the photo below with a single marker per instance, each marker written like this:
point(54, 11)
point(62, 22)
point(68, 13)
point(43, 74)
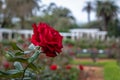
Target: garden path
point(92, 73)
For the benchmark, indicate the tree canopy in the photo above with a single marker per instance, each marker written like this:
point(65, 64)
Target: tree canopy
point(106, 10)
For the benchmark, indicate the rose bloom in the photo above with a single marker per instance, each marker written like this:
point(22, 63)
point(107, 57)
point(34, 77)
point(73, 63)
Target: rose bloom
point(68, 67)
point(47, 38)
point(6, 65)
point(53, 67)
point(81, 67)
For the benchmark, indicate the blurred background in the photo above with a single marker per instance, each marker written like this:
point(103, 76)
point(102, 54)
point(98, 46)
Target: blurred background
point(91, 31)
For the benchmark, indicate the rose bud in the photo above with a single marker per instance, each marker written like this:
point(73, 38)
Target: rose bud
point(68, 67)
point(6, 65)
point(81, 67)
point(53, 67)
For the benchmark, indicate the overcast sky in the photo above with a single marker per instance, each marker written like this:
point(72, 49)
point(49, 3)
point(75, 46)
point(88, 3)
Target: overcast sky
point(76, 7)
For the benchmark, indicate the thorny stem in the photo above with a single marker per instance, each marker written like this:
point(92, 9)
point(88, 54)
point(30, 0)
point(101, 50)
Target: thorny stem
point(27, 67)
point(24, 71)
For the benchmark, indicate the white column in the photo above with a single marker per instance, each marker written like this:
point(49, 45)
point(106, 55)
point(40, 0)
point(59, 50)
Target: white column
point(73, 37)
point(102, 37)
point(88, 35)
point(26, 35)
point(64, 37)
point(9, 35)
point(1, 37)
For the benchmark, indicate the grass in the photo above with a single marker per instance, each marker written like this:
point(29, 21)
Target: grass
point(87, 55)
point(111, 69)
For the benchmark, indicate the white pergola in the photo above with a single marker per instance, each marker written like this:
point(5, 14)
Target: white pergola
point(72, 34)
point(10, 32)
point(88, 33)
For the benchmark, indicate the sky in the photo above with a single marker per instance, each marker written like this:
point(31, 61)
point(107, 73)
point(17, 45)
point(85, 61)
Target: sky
point(75, 6)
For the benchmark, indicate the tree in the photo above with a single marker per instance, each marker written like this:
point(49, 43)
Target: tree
point(58, 17)
point(114, 28)
point(93, 24)
point(107, 11)
point(22, 9)
point(88, 8)
point(5, 15)
point(1, 3)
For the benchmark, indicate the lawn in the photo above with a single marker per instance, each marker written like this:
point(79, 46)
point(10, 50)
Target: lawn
point(111, 69)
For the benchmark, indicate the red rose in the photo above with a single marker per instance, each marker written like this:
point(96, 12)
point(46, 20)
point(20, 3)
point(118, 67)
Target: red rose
point(81, 67)
point(6, 65)
point(68, 67)
point(53, 67)
point(46, 37)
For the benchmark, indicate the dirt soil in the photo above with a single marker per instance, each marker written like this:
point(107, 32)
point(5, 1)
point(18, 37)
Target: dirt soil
point(92, 73)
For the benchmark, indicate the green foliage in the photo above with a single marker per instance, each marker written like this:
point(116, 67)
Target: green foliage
point(93, 24)
point(107, 10)
point(59, 18)
point(60, 74)
point(19, 58)
point(19, 9)
point(68, 41)
point(114, 28)
point(28, 66)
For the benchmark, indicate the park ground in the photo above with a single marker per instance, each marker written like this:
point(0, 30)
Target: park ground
point(103, 69)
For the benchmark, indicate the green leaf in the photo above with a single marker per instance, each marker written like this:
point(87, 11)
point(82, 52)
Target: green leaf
point(34, 56)
point(3, 72)
point(27, 52)
point(18, 66)
point(15, 47)
point(15, 74)
point(34, 67)
point(11, 74)
point(32, 47)
point(14, 71)
point(19, 59)
point(19, 53)
point(10, 53)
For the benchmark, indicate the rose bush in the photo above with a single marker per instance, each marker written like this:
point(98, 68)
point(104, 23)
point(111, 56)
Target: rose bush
point(24, 61)
point(48, 38)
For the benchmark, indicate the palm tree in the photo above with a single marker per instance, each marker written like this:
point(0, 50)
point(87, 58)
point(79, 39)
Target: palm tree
point(88, 8)
point(107, 10)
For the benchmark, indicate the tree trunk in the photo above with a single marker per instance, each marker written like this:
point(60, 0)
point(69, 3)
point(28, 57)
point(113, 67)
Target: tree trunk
point(88, 17)
point(106, 23)
point(3, 24)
